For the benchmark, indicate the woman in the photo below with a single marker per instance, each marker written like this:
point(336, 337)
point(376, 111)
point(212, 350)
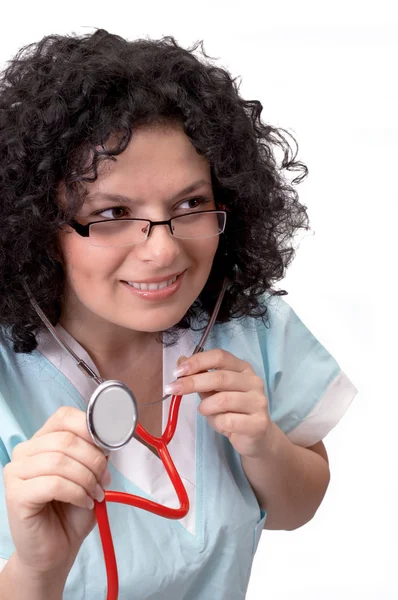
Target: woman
point(95, 130)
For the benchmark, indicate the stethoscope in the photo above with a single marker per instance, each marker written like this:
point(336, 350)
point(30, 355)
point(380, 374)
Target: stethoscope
point(112, 420)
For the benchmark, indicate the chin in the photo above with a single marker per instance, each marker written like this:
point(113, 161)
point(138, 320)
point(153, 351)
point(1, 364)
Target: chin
point(153, 325)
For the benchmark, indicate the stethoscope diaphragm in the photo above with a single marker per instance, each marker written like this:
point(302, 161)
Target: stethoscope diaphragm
point(112, 415)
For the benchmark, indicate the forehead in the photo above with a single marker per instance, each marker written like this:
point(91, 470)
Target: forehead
point(158, 162)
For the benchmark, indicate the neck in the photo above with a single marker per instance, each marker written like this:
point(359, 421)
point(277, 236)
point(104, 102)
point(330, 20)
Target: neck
point(111, 347)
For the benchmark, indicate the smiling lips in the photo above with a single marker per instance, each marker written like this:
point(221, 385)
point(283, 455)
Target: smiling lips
point(156, 290)
point(153, 286)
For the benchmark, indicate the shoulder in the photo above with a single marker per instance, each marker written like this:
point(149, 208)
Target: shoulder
point(307, 391)
point(12, 364)
point(274, 323)
point(7, 421)
point(27, 393)
point(7, 355)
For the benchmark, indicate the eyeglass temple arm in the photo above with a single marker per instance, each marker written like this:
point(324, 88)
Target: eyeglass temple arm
point(79, 362)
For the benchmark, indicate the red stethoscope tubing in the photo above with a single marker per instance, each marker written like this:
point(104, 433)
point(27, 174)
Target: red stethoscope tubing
point(159, 443)
point(121, 497)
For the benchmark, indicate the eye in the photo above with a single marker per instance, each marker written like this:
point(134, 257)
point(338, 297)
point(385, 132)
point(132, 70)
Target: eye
point(114, 212)
point(194, 202)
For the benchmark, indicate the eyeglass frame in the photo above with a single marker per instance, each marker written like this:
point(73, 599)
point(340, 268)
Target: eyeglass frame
point(84, 230)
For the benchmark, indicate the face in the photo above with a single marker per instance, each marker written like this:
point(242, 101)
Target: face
point(160, 175)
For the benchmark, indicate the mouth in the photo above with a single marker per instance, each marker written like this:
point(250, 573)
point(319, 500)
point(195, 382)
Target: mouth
point(159, 290)
point(153, 286)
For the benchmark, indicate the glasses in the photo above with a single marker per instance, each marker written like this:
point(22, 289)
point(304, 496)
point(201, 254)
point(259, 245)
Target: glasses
point(128, 232)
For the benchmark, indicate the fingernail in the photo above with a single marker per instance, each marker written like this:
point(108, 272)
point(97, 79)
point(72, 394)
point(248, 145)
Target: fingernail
point(99, 493)
point(182, 369)
point(106, 479)
point(90, 503)
point(173, 388)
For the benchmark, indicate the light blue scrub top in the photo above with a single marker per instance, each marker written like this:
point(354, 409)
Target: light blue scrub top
point(159, 559)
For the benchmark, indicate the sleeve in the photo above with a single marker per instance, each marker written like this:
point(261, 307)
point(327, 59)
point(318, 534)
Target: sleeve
point(6, 544)
point(10, 435)
point(308, 392)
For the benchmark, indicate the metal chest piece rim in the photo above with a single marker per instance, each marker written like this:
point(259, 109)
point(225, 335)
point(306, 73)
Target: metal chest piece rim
point(112, 415)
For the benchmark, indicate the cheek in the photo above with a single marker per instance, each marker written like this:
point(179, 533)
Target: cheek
point(83, 263)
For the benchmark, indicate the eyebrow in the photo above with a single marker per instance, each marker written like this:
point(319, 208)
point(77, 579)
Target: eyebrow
point(121, 198)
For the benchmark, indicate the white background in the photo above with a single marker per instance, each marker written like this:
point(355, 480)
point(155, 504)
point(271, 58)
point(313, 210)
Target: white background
point(328, 73)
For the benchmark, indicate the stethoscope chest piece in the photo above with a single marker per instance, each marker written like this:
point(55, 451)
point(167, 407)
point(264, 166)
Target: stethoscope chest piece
point(112, 415)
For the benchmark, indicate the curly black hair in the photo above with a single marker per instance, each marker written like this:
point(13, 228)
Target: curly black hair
point(63, 98)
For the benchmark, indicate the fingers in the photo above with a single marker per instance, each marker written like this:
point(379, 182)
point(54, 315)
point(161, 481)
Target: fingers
point(213, 370)
point(57, 464)
point(221, 380)
point(68, 419)
point(233, 397)
point(60, 462)
point(233, 402)
point(68, 444)
point(239, 424)
point(30, 496)
point(212, 359)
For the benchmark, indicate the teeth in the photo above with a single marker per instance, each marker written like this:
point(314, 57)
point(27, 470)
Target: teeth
point(152, 286)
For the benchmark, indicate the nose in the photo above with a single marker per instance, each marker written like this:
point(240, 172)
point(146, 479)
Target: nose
point(160, 247)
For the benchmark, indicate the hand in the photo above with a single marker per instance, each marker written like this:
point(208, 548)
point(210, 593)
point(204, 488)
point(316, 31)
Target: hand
point(50, 484)
point(232, 398)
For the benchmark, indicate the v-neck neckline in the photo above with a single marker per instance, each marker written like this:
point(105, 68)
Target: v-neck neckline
point(135, 461)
